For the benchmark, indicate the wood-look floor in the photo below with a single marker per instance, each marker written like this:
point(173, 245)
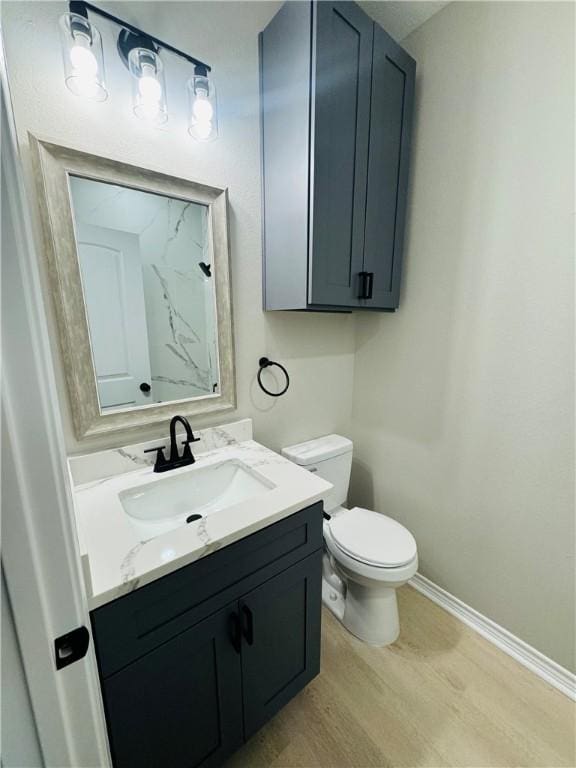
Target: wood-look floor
point(440, 696)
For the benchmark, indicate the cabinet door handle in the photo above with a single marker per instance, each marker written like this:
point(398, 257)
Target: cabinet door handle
point(235, 631)
point(366, 284)
point(370, 286)
point(248, 624)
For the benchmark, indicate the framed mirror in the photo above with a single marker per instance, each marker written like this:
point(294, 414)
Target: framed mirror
point(139, 270)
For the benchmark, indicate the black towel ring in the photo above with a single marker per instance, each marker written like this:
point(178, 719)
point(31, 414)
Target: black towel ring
point(265, 363)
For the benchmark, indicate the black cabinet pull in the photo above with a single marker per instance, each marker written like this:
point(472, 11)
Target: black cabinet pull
point(248, 624)
point(366, 284)
point(370, 287)
point(235, 631)
point(145, 387)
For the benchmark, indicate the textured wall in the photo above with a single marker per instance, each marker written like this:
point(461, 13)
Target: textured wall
point(318, 350)
point(463, 406)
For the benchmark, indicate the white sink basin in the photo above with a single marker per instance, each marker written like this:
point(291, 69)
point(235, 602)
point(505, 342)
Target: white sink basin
point(169, 502)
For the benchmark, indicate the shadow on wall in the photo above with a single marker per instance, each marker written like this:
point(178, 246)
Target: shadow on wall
point(310, 334)
point(361, 492)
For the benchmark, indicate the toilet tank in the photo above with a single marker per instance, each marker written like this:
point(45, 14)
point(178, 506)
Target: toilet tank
point(331, 457)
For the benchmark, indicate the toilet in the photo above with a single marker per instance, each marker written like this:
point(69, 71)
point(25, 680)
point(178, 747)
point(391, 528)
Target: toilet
point(367, 555)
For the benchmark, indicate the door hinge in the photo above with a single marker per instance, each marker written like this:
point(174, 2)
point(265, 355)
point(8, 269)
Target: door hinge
point(71, 647)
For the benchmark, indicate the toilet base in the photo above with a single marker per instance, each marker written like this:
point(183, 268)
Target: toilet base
point(333, 599)
point(372, 613)
point(368, 612)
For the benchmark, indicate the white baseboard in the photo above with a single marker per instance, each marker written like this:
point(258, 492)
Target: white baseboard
point(548, 670)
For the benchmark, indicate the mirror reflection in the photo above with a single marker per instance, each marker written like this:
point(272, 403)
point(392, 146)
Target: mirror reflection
point(148, 283)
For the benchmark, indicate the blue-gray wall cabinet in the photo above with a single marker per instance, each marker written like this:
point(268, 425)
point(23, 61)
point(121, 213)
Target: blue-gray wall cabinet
point(336, 108)
point(390, 120)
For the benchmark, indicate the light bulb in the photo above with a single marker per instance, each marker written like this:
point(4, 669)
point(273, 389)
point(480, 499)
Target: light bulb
point(202, 109)
point(150, 92)
point(149, 110)
point(83, 61)
point(82, 57)
point(203, 117)
point(203, 129)
point(150, 89)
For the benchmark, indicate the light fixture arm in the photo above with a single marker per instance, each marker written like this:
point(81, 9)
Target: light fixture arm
point(82, 8)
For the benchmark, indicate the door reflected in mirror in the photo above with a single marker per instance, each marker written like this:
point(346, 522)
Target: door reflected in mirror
point(148, 284)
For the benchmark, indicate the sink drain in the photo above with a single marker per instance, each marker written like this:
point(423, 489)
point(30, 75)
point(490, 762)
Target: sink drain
point(191, 518)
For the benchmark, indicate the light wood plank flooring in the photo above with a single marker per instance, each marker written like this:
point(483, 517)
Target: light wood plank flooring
point(440, 696)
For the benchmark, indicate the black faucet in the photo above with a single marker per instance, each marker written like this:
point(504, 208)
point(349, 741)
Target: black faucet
point(163, 464)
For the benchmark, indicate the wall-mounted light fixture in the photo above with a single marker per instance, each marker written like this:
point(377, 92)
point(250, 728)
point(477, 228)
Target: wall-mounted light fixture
point(82, 56)
point(203, 117)
point(140, 52)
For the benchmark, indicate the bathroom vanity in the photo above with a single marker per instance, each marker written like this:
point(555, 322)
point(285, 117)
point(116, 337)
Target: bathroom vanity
point(203, 630)
point(193, 664)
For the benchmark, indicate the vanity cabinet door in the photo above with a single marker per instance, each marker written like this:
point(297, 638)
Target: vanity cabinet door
point(393, 72)
point(179, 705)
point(281, 640)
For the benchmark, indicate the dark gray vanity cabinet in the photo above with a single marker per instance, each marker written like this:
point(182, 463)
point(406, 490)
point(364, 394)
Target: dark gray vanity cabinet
point(336, 110)
point(179, 705)
point(194, 663)
point(281, 646)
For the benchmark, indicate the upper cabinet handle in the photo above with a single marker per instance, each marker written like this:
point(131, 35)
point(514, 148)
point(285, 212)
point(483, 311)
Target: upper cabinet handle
point(362, 286)
point(366, 284)
point(370, 286)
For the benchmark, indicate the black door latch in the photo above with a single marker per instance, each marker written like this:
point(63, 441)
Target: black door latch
point(70, 647)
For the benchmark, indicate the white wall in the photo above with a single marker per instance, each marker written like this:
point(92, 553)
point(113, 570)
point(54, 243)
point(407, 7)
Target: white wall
point(317, 350)
point(463, 403)
point(20, 747)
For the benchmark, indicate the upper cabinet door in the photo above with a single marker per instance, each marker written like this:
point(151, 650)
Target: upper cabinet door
point(393, 73)
point(340, 127)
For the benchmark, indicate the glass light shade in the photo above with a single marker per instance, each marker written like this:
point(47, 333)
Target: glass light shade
point(148, 86)
point(82, 57)
point(203, 114)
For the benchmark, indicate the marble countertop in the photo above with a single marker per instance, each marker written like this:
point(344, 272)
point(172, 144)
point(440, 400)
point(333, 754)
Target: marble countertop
point(115, 559)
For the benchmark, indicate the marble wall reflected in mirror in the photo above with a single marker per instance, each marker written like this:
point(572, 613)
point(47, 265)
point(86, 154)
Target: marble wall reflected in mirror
point(148, 283)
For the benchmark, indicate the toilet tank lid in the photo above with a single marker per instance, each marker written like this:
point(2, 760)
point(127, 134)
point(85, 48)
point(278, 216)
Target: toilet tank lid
point(320, 449)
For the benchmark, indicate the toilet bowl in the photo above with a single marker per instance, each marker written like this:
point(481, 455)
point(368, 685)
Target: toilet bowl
point(367, 555)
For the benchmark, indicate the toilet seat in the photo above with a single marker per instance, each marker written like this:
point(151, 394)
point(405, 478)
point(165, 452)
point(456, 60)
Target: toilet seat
point(372, 539)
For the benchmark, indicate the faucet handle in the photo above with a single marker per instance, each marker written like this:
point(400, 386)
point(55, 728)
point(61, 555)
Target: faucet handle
point(191, 440)
point(187, 453)
point(160, 458)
